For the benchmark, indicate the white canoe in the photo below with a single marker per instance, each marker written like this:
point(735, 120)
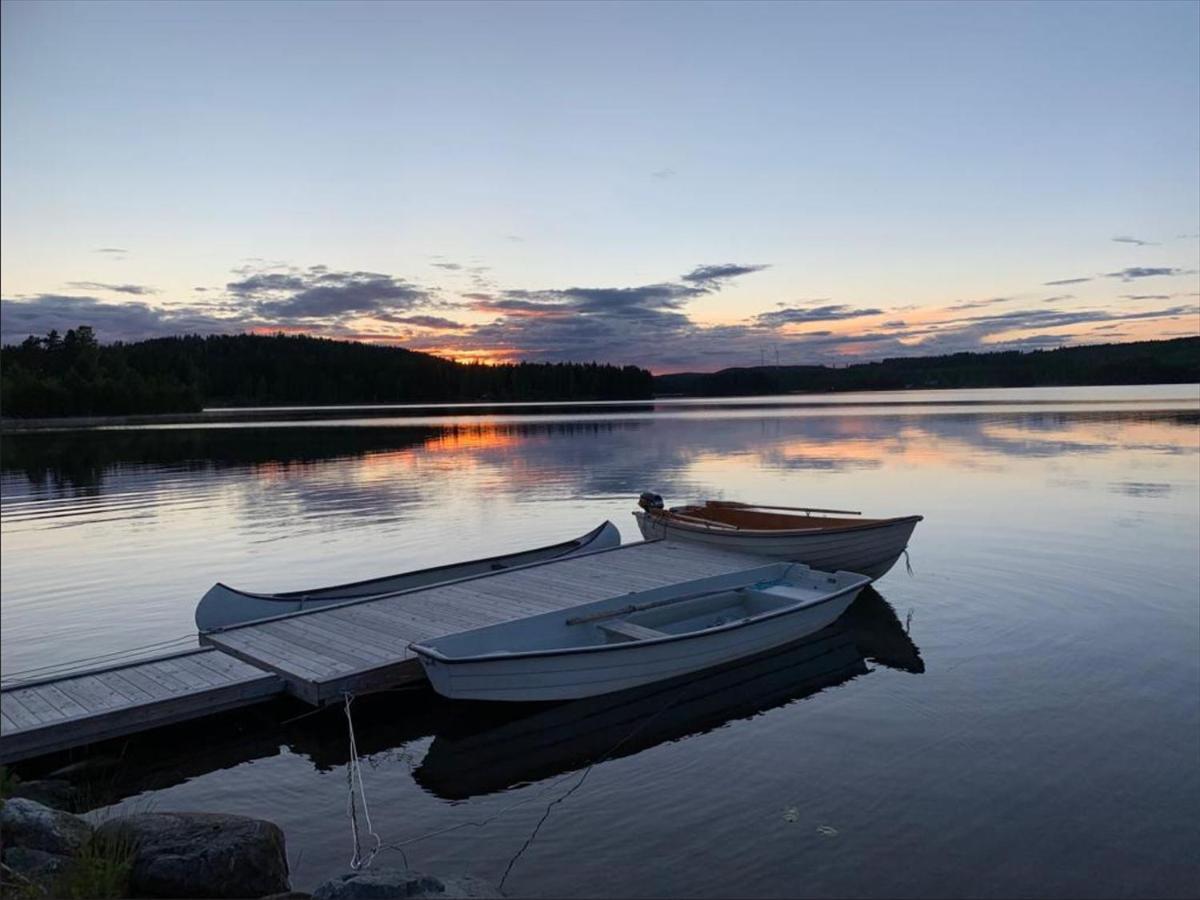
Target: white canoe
point(224, 606)
point(638, 638)
point(867, 546)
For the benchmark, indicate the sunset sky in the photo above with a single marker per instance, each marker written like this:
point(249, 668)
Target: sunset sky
point(680, 186)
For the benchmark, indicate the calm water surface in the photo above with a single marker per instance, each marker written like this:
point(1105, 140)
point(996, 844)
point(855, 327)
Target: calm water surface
point(1020, 716)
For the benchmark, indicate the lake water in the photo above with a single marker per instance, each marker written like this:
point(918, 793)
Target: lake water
point(1019, 716)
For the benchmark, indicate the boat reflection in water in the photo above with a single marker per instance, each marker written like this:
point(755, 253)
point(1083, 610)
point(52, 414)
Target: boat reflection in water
point(482, 748)
point(554, 739)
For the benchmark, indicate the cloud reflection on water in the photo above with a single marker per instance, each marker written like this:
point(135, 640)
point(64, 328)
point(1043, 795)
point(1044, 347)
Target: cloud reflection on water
point(557, 456)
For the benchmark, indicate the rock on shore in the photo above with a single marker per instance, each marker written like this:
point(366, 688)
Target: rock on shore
point(37, 866)
point(57, 793)
point(28, 824)
point(385, 884)
point(207, 855)
point(201, 854)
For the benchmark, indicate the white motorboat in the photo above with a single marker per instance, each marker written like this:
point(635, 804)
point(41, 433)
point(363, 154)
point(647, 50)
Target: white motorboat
point(638, 638)
point(223, 606)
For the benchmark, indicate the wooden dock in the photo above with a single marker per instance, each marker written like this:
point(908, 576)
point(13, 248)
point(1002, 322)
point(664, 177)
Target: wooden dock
point(361, 646)
point(321, 654)
point(52, 714)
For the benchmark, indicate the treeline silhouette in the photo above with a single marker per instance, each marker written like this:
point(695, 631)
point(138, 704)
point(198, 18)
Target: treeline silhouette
point(1145, 362)
point(73, 375)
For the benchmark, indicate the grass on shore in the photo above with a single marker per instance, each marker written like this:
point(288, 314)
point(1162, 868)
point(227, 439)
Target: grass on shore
point(8, 782)
point(100, 871)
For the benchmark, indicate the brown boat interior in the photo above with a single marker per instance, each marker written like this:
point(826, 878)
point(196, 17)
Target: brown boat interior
point(764, 520)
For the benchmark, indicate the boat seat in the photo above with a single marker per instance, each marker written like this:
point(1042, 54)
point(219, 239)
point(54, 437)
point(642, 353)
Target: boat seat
point(629, 631)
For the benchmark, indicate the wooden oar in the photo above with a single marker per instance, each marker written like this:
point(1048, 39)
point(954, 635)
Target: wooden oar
point(732, 504)
point(708, 523)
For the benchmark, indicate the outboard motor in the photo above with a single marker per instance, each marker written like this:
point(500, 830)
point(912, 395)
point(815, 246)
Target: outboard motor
point(650, 501)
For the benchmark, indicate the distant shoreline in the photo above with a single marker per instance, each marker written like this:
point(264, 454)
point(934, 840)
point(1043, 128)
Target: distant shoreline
point(72, 381)
point(316, 415)
point(1174, 361)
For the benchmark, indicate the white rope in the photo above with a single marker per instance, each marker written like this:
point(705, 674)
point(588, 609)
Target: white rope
point(69, 667)
point(353, 773)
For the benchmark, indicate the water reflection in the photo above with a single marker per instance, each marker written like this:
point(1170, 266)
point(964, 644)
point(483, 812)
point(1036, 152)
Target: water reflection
point(1140, 488)
point(479, 748)
point(82, 461)
point(1054, 599)
point(91, 462)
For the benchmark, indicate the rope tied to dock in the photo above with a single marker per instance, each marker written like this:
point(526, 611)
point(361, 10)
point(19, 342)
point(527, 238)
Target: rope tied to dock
point(85, 664)
point(354, 774)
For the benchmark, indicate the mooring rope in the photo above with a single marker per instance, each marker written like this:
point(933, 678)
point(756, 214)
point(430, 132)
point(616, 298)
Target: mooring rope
point(673, 699)
point(353, 773)
point(907, 563)
point(70, 667)
point(580, 776)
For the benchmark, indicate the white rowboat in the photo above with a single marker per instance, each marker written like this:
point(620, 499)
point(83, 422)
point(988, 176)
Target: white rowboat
point(224, 606)
point(517, 744)
point(639, 638)
point(868, 546)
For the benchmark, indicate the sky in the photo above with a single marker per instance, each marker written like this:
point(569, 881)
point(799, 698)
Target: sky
point(682, 186)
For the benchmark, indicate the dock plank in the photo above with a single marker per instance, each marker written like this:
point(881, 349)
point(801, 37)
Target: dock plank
point(439, 615)
point(68, 707)
point(266, 651)
point(449, 613)
point(414, 627)
point(38, 709)
point(90, 692)
point(368, 638)
point(148, 685)
point(289, 647)
point(90, 706)
point(535, 590)
point(394, 623)
point(185, 675)
point(227, 667)
point(125, 688)
point(322, 639)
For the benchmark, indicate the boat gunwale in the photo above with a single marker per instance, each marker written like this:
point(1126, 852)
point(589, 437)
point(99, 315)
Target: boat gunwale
point(580, 543)
point(664, 517)
point(433, 653)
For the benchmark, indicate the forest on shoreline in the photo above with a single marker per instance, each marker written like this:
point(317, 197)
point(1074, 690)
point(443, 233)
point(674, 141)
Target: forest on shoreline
point(74, 375)
point(1174, 361)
